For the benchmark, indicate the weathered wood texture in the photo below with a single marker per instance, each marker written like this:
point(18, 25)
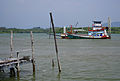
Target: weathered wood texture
point(11, 44)
point(32, 47)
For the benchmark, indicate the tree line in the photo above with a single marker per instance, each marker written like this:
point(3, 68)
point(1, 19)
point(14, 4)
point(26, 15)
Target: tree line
point(114, 30)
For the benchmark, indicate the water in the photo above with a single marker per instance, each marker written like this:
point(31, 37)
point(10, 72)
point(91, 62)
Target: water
point(81, 60)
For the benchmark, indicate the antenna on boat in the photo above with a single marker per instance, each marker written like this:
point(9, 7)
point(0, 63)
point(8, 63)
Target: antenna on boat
point(109, 25)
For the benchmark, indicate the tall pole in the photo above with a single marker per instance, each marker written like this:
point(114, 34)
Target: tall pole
point(55, 42)
point(32, 47)
point(109, 25)
point(64, 30)
point(71, 29)
point(11, 44)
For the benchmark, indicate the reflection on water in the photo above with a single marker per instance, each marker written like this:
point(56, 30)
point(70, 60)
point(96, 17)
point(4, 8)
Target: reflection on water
point(81, 60)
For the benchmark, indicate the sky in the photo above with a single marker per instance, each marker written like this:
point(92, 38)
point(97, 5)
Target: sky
point(35, 13)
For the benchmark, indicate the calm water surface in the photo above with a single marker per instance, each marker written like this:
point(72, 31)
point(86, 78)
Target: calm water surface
point(81, 59)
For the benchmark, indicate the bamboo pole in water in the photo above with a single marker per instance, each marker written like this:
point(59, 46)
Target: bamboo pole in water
point(11, 44)
point(55, 42)
point(18, 65)
point(109, 25)
point(32, 47)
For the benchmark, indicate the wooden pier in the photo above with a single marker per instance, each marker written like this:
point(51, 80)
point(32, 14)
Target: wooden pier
point(13, 63)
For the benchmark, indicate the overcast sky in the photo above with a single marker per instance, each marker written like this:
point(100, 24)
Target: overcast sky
point(35, 13)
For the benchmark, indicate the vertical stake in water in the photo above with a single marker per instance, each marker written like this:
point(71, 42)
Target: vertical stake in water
point(18, 66)
point(32, 47)
point(55, 42)
point(109, 25)
point(11, 44)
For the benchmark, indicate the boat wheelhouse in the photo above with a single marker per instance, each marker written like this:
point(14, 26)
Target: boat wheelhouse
point(98, 31)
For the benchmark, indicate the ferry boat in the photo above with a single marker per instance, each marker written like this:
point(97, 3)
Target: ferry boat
point(97, 32)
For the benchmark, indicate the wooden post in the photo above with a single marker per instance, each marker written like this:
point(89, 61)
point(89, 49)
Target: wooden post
point(32, 47)
point(18, 66)
point(12, 72)
point(55, 43)
point(109, 25)
point(11, 44)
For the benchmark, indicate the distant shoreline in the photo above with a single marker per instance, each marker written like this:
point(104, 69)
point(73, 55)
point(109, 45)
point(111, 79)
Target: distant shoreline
point(114, 30)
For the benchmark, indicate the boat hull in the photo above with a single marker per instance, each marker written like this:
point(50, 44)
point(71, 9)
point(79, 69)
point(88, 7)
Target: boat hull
point(86, 37)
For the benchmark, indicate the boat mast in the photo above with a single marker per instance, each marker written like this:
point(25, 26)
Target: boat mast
point(71, 29)
point(64, 30)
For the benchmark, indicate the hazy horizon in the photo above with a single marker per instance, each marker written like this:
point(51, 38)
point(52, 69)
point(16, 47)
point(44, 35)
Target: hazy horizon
point(35, 13)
